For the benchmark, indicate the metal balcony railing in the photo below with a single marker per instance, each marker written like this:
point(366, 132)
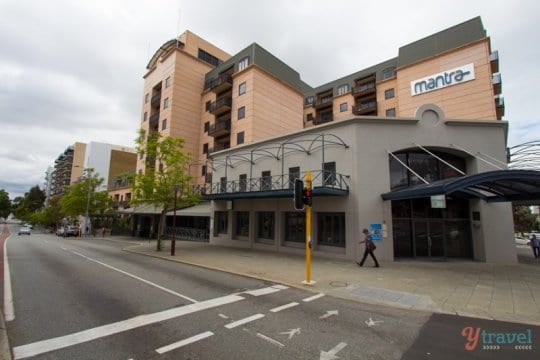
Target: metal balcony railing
point(219, 84)
point(221, 105)
point(277, 183)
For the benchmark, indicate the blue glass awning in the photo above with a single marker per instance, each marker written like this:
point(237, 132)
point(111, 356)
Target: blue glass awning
point(522, 186)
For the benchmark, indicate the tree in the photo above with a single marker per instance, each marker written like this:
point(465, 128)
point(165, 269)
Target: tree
point(5, 204)
point(524, 221)
point(82, 196)
point(166, 165)
point(50, 215)
point(32, 201)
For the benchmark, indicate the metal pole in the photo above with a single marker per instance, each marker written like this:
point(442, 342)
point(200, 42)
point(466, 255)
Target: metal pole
point(308, 280)
point(173, 243)
point(87, 207)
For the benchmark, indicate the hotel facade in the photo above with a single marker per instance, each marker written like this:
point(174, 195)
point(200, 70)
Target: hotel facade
point(410, 148)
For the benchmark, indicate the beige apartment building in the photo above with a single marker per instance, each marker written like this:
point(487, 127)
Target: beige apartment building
point(394, 147)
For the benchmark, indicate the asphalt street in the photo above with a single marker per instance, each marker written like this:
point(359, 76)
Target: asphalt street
point(87, 299)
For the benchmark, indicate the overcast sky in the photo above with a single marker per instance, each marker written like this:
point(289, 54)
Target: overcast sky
point(72, 70)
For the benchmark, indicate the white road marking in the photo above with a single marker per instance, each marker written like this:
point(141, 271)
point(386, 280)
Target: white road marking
point(291, 332)
point(263, 291)
point(371, 323)
point(46, 241)
point(280, 287)
point(184, 342)
point(331, 355)
point(40, 347)
point(314, 297)
point(223, 316)
point(9, 308)
point(283, 307)
point(329, 313)
point(244, 321)
point(136, 277)
point(270, 340)
point(63, 248)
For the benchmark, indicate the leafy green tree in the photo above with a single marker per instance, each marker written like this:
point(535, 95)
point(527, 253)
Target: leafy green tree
point(165, 170)
point(82, 196)
point(32, 201)
point(50, 215)
point(524, 220)
point(5, 204)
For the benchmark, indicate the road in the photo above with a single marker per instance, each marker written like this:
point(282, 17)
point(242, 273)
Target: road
point(88, 299)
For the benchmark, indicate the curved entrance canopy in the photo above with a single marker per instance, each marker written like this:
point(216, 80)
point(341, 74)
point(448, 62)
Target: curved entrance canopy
point(522, 186)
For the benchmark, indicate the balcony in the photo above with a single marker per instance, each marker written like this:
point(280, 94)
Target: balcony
point(156, 99)
point(154, 120)
point(220, 128)
point(365, 108)
point(219, 147)
point(364, 89)
point(323, 102)
point(323, 118)
point(221, 83)
point(494, 61)
point(221, 105)
point(497, 83)
point(324, 183)
point(499, 106)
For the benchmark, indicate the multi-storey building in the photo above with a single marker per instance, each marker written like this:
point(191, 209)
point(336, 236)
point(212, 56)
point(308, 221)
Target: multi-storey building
point(432, 114)
point(61, 174)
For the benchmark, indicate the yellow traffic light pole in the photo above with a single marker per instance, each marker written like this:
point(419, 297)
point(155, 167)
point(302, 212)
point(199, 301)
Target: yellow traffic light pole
point(308, 280)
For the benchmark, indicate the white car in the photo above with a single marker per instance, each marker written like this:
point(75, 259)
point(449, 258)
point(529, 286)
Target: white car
point(520, 240)
point(24, 230)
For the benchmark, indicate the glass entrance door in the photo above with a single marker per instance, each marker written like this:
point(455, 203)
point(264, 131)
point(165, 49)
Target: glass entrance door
point(428, 238)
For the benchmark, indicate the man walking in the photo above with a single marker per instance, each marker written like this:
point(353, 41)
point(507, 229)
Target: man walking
point(535, 244)
point(369, 248)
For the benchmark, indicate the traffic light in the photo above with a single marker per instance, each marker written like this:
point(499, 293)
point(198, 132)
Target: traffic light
point(307, 196)
point(298, 194)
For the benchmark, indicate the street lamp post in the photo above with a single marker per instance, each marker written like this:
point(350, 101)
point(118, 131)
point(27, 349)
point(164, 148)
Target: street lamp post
point(87, 208)
point(173, 241)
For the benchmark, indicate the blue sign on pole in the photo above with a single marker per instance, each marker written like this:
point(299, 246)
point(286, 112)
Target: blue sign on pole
point(375, 231)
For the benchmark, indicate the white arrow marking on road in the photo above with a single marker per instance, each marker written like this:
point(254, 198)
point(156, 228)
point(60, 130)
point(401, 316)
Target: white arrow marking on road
point(371, 323)
point(270, 340)
point(331, 355)
point(329, 313)
point(291, 332)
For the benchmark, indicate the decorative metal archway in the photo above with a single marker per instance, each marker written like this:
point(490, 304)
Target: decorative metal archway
point(525, 156)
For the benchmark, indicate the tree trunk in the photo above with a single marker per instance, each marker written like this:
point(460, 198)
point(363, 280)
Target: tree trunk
point(161, 228)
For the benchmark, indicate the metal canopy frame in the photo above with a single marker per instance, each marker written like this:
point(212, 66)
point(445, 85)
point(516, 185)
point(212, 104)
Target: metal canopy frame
point(305, 144)
point(492, 186)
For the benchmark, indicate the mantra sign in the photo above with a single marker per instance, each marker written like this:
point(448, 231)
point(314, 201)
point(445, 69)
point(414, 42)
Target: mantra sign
point(443, 79)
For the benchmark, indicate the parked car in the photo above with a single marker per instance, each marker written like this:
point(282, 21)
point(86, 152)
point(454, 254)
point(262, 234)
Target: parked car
point(72, 230)
point(520, 240)
point(24, 230)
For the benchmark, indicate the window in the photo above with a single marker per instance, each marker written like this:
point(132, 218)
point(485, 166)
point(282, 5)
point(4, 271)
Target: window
point(242, 64)
point(205, 148)
point(209, 58)
point(343, 107)
point(240, 138)
point(168, 82)
point(331, 229)
point(241, 227)
point(391, 112)
point(343, 89)
point(207, 105)
point(203, 170)
point(265, 225)
point(294, 173)
point(145, 117)
point(295, 229)
point(220, 222)
point(146, 98)
point(206, 126)
point(242, 183)
point(164, 124)
point(266, 180)
point(242, 88)
point(241, 112)
point(388, 94)
point(223, 184)
point(388, 73)
point(310, 100)
point(309, 117)
point(166, 103)
point(329, 171)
